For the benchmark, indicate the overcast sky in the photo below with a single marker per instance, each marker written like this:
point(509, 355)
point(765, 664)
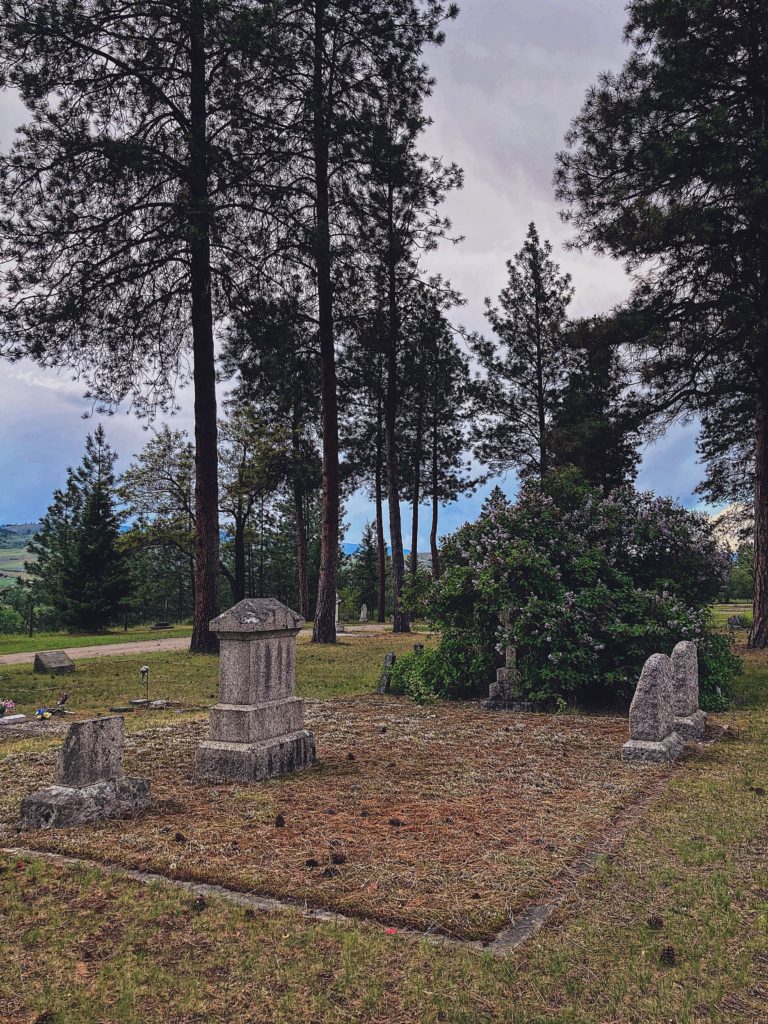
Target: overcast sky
point(510, 77)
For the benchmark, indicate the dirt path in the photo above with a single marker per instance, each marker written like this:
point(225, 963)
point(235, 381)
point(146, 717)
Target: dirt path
point(175, 643)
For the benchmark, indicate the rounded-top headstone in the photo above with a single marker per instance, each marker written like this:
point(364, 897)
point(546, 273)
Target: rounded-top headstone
point(651, 714)
point(684, 664)
point(256, 615)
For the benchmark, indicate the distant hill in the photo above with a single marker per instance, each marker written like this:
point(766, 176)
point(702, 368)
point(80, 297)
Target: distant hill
point(14, 538)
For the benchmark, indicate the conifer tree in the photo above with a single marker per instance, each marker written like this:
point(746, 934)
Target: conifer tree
point(80, 565)
point(666, 169)
point(128, 202)
point(525, 372)
point(595, 426)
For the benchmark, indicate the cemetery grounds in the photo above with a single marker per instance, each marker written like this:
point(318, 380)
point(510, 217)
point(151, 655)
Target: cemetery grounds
point(442, 835)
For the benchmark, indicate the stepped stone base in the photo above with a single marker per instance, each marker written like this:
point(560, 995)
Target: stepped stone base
point(256, 723)
point(219, 761)
point(692, 727)
point(668, 749)
point(62, 806)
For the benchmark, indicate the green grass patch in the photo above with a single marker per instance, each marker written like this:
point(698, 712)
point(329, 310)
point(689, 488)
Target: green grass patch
point(349, 667)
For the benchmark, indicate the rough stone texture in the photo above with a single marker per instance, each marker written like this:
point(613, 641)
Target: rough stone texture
point(256, 615)
point(257, 728)
point(684, 665)
point(62, 806)
point(364, 613)
point(92, 752)
point(385, 679)
point(53, 663)
point(691, 727)
point(249, 723)
point(651, 714)
point(12, 719)
point(503, 694)
point(219, 761)
point(668, 749)
point(690, 722)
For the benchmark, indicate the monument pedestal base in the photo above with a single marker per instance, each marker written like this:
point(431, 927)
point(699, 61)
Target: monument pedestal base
point(692, 727)
point(668, 749)
point(219, 761)
point(62, 806)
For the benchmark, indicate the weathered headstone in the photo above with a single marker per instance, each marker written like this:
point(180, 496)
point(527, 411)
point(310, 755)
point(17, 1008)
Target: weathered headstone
point(12, 719)
point(53, 663)
point(652, 715)
point(503, 692)
point(90, 781)
point(363, 613)
point(385, 679)
point(339, 626)
point(690, 720)
point(257, 728)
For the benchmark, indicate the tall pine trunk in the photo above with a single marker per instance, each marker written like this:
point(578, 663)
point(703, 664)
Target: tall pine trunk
point(381, 551)
point(435, 505)
point(302, 559)
point(204, 364)
point(239, 557)
point(324, 631)
point(416, 490)
point(758, 636)
point(400, 623)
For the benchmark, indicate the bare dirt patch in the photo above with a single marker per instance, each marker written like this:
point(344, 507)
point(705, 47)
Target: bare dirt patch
point(447, 817)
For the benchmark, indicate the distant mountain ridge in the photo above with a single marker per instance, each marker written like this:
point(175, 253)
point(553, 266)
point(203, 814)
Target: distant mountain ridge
point(17, 535)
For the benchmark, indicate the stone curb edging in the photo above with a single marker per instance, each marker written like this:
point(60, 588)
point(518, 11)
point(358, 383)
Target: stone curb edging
point(505, 942)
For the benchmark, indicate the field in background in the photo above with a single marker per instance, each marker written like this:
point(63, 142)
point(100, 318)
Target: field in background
point(12, 565)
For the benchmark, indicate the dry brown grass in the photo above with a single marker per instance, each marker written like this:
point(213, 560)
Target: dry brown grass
point(444, 817)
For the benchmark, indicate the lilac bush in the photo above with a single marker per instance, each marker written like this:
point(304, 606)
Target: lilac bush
point(593, 585)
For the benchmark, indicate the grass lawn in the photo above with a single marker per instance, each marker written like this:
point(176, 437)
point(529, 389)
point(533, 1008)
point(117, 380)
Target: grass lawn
point(492, 808)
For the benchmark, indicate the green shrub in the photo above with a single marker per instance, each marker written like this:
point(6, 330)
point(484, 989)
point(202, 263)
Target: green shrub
point(458, 669)
point(593, 586)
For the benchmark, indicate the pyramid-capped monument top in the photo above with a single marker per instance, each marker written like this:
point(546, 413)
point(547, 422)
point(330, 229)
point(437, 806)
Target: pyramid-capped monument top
point(256, 615)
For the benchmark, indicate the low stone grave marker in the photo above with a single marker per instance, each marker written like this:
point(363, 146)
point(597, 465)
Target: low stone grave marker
point(90, 781)
point(12, 719)
point(690, 720)
point(53, 663)
point(385, 679)
point(257, 728)
point(652, 715)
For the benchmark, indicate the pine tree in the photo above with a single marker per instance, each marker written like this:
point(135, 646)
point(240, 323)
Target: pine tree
point(81, 565)
point(129, 204)
point(595, 425)
point(271, 347)
point(525, 373)
point(666, 169)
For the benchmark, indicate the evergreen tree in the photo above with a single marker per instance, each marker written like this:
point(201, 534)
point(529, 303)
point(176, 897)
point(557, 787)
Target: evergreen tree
point(365, 568)
point(666, 169)
point(80, 563)
point(436, 414)
point(525, 373)
point(271, 347)
point(594, 426)
point(128, 204)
